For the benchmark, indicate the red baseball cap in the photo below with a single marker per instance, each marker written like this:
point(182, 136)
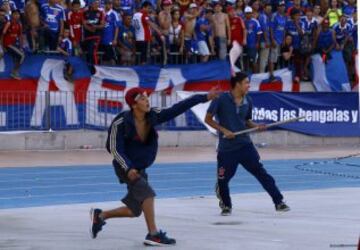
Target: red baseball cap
point(133, 94)
point(229, 9)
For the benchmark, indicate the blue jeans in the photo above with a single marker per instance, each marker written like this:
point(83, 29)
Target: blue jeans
point(249, 158)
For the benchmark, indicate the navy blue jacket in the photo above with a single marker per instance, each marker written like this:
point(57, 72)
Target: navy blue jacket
point(124, 143)
point(233, 118)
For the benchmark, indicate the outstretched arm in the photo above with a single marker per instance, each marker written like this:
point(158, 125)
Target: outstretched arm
point(167, 114)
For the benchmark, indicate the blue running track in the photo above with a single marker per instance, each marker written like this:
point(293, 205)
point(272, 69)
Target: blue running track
point(41, 186)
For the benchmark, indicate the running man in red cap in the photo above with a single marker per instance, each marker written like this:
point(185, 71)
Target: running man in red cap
point(133, 142)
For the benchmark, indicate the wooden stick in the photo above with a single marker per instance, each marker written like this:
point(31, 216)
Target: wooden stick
point(268, 125)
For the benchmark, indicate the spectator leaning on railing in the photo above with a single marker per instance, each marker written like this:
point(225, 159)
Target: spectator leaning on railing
point(12, 40)
point(66, 48)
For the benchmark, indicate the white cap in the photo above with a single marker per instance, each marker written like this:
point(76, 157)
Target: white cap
point(192, 5)
point(248, 9)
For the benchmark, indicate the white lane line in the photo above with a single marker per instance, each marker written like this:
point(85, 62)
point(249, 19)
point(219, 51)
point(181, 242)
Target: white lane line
point(157, 189)
point(38, 179)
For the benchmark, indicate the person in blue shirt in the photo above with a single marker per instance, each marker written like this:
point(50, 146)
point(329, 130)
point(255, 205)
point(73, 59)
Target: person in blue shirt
point(253, 31)
point(133, 142)
point(52, 20)
point(66, 48)
point(325, 40)
point(233, 111)
point(127, 45)
point(110, 34)
point(342, 32)
point(265, 39)
point(203, 33)
point(277, 33)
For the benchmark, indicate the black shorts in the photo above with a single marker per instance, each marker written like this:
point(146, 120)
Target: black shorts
point(143, 48)
point(138, 190)
point(109, 52)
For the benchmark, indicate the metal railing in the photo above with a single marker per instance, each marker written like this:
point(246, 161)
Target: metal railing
point(61, 110)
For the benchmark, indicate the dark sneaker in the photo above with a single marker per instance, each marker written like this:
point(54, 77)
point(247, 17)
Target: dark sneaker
point(159, 239)
point(282, 207)
point(226, 211)
point(96, 222)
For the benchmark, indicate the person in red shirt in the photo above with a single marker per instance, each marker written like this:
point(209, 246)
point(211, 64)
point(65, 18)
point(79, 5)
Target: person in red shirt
point(13, 41)
point(143, 25)
point(238, 37)
point(75, 20)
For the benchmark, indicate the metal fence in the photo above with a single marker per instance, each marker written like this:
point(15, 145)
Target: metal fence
point(61, 110)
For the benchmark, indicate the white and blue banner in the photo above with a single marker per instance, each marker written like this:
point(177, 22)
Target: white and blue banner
point(43, 99)
point(330, 75)
point(325, 114)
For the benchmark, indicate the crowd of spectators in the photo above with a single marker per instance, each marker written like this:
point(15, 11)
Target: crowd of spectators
point(255, 36)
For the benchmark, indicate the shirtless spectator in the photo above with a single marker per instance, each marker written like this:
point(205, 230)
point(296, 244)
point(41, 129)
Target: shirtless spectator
point(189, 35)
point(222, 31)
point(32, 19)
point(164, 19)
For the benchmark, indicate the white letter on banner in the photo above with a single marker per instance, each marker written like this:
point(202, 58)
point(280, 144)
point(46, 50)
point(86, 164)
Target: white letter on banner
point(97, 92)
point(64, 97)
point(3, 119)
point(168, 75)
